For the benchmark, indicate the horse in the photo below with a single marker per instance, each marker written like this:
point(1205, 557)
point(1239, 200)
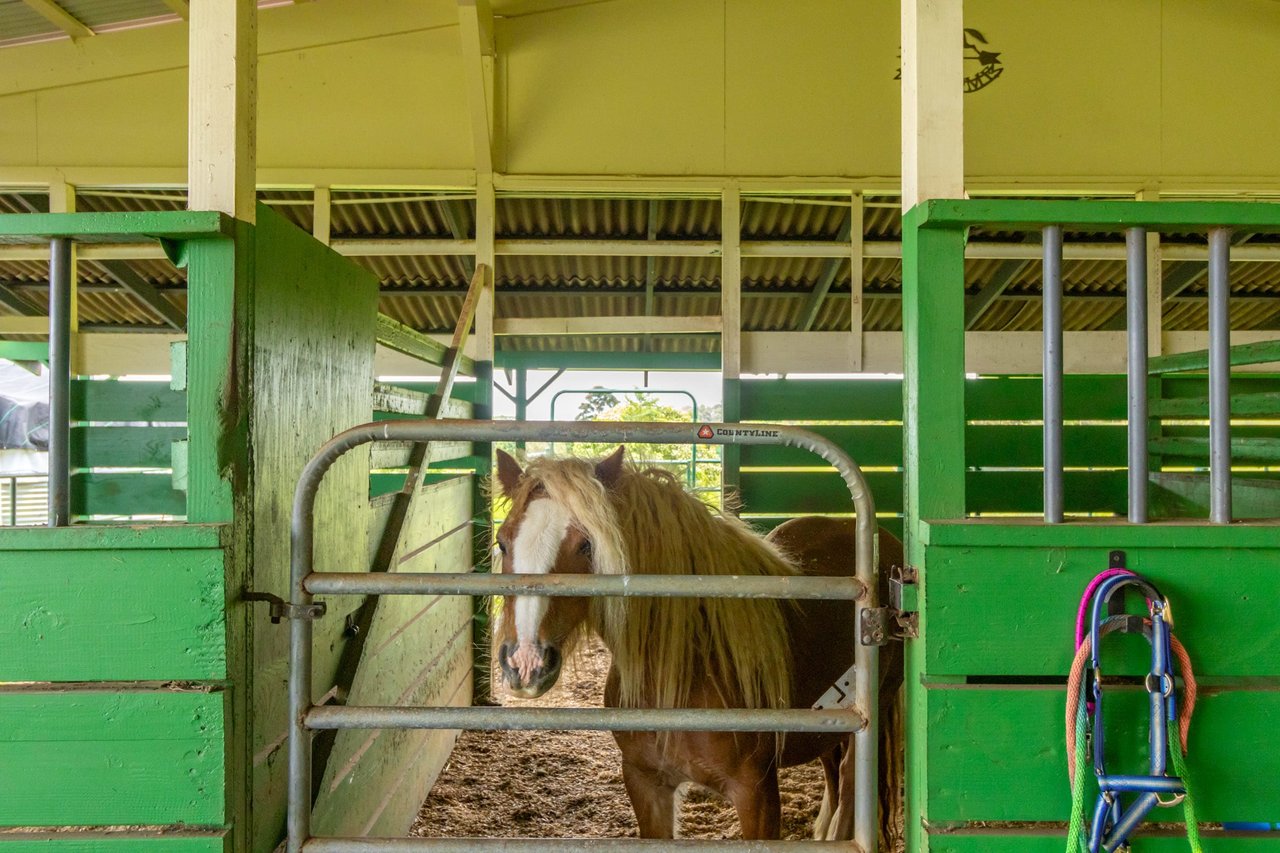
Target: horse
point(571, 516)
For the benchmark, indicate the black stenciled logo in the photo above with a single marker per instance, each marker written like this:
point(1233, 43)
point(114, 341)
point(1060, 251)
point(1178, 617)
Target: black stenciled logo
point(989, 66)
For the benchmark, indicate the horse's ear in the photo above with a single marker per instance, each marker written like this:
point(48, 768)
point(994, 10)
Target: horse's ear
point(509, 472)
point(610, 468)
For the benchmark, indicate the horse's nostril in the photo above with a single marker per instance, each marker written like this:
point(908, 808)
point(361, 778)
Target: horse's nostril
point(550, 658)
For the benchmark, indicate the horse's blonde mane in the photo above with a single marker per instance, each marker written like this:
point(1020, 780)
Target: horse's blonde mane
point(646, 523)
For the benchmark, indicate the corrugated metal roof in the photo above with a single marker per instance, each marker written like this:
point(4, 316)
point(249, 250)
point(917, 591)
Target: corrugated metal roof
point(98, 13)
point(19, 21)
point(426, 291)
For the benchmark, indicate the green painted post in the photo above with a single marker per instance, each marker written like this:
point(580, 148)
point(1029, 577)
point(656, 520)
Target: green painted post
point(933, 452)
point(482, 536)
point(522, 399)
point(731, 476)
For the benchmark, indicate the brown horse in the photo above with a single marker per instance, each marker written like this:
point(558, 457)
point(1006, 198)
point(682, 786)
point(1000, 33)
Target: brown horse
point(570, 516)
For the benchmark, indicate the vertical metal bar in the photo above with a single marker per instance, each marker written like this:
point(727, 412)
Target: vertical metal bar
point(1219, 377)
point(1136, 304)
point(1052, 314)
point(300, 676)
point(13, 501)
point(59, 382)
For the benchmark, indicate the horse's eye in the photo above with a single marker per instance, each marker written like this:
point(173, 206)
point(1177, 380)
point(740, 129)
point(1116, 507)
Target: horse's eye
point(585, 548)
point(502, 547)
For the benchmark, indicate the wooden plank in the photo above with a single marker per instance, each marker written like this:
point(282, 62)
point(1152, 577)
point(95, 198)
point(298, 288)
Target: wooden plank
point(1198, 407)
point(392, 400)
point(128, 227)
point(313, 317)
point(113, 615)
point(417, 651)
point(1022, 446)
point(222, 108)
point(1242, 449)
point(1085, 397)
point(730, 282)
point(1262, 352)
point(822, 399)
point(113, 537)
point(97, 401)
point(985, 614)
point(770, 492)
point(396, 454)
point(396, 336)
point(125, 494)
point(1187, 496)
point(184, 841)
point(872, 446)
point(219, 279)
point(992, 841)
point(974, 752)
point(123, 447)
point(111, 758)
point(774, 493)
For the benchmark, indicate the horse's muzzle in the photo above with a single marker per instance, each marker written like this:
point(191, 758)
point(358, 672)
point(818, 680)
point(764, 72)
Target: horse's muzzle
point(540, 678)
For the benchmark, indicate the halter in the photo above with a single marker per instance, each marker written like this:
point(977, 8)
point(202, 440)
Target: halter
point(1113, 821)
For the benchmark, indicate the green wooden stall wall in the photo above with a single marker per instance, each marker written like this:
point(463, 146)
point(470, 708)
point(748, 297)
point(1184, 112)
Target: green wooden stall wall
point(141, 698)
point(1003, 444)
point(119, 664)
point(985, 685)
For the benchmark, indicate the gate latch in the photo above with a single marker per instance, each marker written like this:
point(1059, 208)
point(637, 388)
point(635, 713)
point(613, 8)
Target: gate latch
point(281, 609)
point(900, 619)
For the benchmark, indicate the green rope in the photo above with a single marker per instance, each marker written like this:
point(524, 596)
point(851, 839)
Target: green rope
point(1188, 804)
point(1076, 841)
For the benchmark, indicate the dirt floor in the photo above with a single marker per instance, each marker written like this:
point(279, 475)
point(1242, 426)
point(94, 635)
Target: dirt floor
point(569, 784)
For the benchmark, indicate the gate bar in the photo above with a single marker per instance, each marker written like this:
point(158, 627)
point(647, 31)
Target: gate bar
point(556, 845)
point(1136, 330)
point(484, 718)
point(1219, 377)
point(621, 586)
point(1052, 323)
point(866, 658)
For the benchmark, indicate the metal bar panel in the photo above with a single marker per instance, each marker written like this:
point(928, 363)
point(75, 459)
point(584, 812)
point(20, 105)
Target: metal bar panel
point(557, 845)
point(622, 586)
point(1219, 376)
point(1052, 374)
point(484, 718)
point(866, 658)
point(1136, 329)
point(59, 382)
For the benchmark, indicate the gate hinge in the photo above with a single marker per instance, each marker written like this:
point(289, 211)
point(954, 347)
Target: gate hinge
point(900, 619)
point(281, 609)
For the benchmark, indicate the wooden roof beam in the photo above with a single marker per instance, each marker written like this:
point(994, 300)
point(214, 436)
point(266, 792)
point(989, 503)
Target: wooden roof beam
point(181, 8)
point(977, 304)
point(60, 17)
point(146, 293)
point(475, 24)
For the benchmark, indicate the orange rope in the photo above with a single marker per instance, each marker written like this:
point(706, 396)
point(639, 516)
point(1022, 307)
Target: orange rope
point(1077, 676)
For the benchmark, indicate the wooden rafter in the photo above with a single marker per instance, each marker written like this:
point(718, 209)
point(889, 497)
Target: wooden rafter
point(60, 17)
point(128, 278)
point(181, 8)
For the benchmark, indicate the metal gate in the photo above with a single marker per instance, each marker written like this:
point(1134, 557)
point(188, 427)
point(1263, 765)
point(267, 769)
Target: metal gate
point(307, 718)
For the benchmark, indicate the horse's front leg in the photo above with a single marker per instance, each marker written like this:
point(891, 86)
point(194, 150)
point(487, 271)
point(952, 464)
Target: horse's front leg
point(653, 798)
point(759, 806)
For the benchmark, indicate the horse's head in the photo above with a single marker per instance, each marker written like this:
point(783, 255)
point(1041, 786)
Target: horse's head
point(542, 534)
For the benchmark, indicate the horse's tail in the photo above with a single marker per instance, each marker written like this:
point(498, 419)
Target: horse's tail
point(892, 759)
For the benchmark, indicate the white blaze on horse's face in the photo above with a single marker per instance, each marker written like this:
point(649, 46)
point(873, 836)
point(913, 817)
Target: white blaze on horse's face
point(534, 552)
